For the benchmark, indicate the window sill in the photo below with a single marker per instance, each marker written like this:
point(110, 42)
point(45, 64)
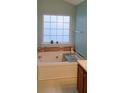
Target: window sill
point(55, 45)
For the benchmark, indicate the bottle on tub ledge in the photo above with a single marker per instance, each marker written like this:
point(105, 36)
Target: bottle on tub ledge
point(51, 42)
point(57, 42)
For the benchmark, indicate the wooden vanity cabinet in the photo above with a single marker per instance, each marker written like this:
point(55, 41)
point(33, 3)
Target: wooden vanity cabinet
point(81, 80)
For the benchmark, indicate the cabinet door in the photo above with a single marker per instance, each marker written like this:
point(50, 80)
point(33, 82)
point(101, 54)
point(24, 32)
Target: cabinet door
point(85, 82)
point(80, 80)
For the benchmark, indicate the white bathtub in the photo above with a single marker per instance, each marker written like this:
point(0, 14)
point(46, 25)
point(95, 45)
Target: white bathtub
point(51, 56)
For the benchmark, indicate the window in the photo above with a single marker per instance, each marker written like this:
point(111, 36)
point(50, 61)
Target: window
point(56, 28)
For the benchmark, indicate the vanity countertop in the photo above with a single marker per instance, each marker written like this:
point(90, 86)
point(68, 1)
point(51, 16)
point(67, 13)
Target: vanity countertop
point(83, 63)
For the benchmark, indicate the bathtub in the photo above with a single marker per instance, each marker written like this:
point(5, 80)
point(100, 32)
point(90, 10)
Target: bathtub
point(51, 66)
point(51, 56)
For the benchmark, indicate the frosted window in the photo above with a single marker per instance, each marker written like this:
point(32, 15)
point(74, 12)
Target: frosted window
point(66, 32)
point(53, 19)
point(65, 38)
point(59, 32)
point(59, 38)
point(59, 18)
point(53, 32)
point(46, 32)
point(53, 38)
point(46, 18)
point(46, 38)
point(56, 28)
point(46, 25)
point(66, 26)
point(60, 25)
point(66, 19)
point(53, 25)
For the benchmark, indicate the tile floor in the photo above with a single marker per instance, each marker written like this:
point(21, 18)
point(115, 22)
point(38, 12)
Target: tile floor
point(57, 86)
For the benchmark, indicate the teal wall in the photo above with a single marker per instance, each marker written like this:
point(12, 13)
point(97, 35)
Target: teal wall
point(58, 7)
point(81, 29)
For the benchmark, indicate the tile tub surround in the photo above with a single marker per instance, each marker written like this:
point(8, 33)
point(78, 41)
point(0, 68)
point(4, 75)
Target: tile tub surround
point(83, 63)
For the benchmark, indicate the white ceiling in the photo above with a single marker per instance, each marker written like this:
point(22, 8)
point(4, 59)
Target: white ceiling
point(74, 2)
